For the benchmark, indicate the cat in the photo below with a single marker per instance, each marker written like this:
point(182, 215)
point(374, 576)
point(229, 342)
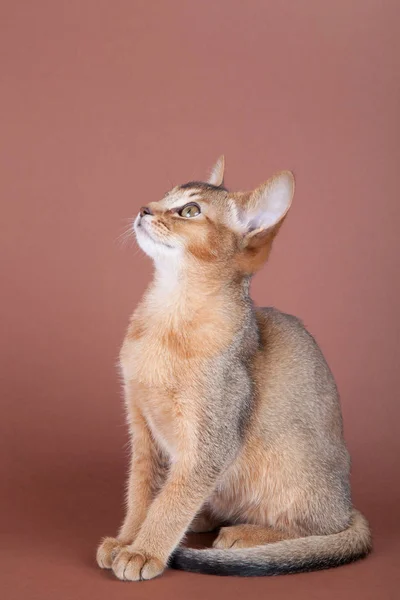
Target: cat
point(233, 412)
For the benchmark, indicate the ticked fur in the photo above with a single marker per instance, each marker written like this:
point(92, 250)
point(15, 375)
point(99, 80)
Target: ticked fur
point(233, 411)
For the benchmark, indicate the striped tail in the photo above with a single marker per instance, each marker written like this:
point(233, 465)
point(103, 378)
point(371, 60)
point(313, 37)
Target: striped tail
point(289, 556)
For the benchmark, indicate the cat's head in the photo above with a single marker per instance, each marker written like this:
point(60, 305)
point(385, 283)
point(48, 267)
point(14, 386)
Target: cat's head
point(202, 223)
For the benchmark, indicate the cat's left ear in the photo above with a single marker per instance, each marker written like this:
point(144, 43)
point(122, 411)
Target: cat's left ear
point(217, 172)
point(266, 207)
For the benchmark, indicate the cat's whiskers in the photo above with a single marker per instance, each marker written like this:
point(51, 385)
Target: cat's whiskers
point(126, 236)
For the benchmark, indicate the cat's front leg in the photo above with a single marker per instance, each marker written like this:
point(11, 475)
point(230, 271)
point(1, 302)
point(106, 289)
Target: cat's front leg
point(187, 487)
point(145, 478)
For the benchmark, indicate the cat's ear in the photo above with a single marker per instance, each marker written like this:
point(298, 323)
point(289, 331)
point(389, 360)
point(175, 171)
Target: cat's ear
point(217, 172)
point(266, 207)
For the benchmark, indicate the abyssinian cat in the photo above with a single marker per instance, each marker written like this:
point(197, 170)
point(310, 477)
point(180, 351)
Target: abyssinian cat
point(233, 412)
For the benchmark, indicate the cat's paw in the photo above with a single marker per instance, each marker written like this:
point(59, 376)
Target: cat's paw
point(107, 551)
point(247, 536)
point(136, 566)
point(233, 537)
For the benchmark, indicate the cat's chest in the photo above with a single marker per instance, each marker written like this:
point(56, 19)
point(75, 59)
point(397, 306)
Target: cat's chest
point(167, 365)
point(157, 385)
point(169, 416)
point(146, 360)
point(167, 351)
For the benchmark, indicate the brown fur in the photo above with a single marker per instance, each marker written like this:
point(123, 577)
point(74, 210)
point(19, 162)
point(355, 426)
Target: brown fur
point(233, 413)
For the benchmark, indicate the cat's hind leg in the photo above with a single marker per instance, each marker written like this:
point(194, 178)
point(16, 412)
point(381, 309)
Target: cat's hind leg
point(246, 536)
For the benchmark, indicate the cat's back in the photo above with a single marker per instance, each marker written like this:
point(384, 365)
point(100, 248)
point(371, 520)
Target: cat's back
point(271, 318)
point(285, 334)
point(294, 381)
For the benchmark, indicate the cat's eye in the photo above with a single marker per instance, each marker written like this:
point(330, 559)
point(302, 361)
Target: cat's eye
point(190, 210)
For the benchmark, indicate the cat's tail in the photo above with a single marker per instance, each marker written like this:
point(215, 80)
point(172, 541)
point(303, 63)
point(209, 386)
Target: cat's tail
point(289, 556)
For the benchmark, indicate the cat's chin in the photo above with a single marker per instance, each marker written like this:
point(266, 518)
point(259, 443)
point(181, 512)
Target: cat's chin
point(155, 249)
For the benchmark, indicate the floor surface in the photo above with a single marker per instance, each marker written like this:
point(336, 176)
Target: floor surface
point(55, 518)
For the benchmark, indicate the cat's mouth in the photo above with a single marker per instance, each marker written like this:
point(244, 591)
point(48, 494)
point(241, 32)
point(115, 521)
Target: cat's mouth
point(143, 229)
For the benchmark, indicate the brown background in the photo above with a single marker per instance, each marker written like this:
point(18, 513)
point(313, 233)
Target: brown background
point(105, 105)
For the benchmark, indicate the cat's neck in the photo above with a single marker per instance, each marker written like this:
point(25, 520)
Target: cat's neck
point(182, 292)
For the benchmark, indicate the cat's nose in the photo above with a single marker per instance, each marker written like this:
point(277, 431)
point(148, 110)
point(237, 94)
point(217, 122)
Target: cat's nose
point(145, 210)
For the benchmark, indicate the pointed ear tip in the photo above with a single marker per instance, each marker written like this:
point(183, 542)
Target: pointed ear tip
point(286, 177)
point(285, 174)
point(217, 172)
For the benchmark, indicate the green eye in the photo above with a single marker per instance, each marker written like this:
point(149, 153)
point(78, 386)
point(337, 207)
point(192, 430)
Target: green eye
point(190, 210)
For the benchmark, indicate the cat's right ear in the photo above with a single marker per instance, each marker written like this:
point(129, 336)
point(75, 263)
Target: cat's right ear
point(217, 172)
